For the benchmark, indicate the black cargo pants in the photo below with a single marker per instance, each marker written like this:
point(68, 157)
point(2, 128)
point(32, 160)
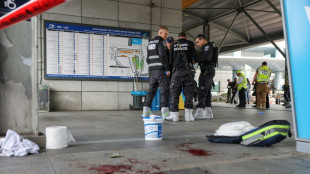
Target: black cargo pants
point(242, 97)
point(158, 78)
point(205, 87)
point(181, 78)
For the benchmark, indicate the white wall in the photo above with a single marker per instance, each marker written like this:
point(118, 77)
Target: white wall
point(136, 14)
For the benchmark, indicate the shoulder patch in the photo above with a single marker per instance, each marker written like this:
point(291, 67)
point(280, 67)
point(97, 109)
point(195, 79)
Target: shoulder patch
point(164, 43)
point(207, 48)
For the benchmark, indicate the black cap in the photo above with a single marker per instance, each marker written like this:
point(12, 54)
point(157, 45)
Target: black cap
point(170, 40)
point(264, 63)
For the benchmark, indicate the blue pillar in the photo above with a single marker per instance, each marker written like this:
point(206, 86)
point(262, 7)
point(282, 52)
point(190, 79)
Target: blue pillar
point(296, 20)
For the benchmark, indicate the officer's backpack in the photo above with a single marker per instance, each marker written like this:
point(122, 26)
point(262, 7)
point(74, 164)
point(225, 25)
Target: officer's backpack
point(214, 58)
point(267, 134)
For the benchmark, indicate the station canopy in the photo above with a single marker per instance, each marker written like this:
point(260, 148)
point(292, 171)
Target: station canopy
point(234, 24)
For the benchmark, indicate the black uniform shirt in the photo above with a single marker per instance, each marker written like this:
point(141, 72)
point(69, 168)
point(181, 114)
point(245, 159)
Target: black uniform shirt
point(157, 47)
point(174, 54)
point(206, 54)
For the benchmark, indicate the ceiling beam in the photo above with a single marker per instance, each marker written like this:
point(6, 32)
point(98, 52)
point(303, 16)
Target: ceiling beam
point(217, 17)
point(233, 44)
point(217, 25)
point(190, 35)
point(254, 42)
point(274, 7)
point(230, 27)
point(194, 17)
point(236, 10)
point(209, 8)
point(245, 25)
point(233, 33)
point(265, 11)
point(265, 34)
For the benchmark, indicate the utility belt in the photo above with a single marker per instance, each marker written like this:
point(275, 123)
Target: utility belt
point(206, 69)
point(179, 69)
point(207, 64)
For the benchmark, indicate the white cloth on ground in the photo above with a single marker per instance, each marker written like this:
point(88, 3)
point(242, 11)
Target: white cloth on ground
point(234, 128)
point(15, 145)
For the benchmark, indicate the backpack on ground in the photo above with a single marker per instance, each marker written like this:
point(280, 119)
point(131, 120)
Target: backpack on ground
point(267, 134)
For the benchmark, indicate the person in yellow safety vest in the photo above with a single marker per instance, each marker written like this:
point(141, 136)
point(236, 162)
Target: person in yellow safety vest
point(262, 77)
point(242, 86)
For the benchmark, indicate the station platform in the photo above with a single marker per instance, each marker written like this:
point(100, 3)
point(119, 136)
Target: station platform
point(183, 150)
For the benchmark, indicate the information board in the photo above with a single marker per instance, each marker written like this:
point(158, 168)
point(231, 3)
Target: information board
point(77, 51)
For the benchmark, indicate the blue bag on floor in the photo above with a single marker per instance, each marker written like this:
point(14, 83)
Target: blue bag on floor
point(267, 134)
point(224, 139)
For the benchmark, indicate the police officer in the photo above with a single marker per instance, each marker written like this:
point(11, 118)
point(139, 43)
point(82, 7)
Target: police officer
point(205, 79)
point(241, 86)
point(262, 77)
point(159, 72)
point(169, 41)
point(181, 56)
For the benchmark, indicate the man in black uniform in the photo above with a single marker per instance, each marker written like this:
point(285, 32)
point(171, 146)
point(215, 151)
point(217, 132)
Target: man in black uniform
point(229, 87)
point(205, 79)
point(181, 56)
point(159, 72)
point(234, 91)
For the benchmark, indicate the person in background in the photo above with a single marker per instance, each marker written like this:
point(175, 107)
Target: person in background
point(267, 101)
point(159, 72)
point(262, 77)
point(169, 41)
point(254, 94)
point(242, 86)
point(247, 92)
point(234, 91)
point(229, 87)
point(287, 96)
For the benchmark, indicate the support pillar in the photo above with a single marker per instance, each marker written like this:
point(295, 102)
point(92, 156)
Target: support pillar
point(278, 80)
point(298, 31)
point(234, 75)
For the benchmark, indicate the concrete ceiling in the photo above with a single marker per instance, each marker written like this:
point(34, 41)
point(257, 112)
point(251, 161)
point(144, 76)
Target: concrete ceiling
point(235, 24)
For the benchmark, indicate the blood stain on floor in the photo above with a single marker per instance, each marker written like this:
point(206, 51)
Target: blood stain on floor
point(110, 169)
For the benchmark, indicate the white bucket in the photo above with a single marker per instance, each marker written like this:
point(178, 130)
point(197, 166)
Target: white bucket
point(153, 127)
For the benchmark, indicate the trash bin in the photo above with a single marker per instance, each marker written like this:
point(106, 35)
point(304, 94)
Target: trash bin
point(138, 99)
point(44, 98)
point(156, 101)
